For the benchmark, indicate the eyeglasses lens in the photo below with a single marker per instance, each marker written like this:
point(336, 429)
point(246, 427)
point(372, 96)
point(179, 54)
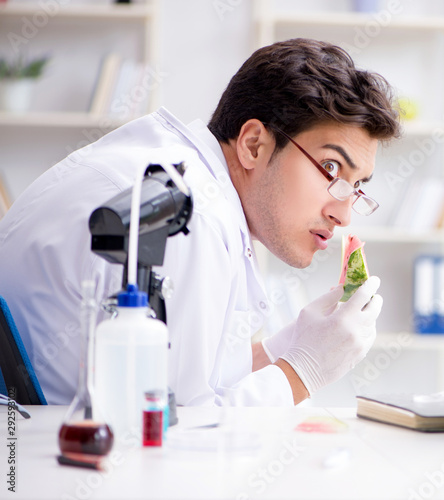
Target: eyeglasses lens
point(364, 205)
point(340, 189)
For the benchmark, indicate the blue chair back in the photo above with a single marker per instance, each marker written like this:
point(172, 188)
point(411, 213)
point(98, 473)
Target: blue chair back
point(18, 380)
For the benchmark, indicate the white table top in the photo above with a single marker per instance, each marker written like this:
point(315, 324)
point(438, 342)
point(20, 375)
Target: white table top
point(256, 453)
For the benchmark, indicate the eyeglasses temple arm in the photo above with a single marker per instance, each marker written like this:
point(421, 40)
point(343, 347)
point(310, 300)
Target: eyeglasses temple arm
point(302, 150)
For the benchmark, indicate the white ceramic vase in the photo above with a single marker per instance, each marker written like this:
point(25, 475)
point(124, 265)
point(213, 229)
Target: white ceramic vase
point(16, 94)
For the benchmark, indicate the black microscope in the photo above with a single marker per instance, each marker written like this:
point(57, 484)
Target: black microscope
point(166, 206)
point(165, 209)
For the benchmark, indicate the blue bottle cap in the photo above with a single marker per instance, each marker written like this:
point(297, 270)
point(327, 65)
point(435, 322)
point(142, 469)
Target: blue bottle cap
point(132, 297)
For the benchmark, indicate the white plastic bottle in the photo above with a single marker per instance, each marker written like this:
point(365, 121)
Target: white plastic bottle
point(131, 359)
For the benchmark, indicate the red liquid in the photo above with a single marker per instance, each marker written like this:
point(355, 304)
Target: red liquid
point(152, 428)
point(86, 437)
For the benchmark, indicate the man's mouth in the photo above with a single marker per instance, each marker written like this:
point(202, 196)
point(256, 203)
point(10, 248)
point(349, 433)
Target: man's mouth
point(325, 234)
point(321, 237)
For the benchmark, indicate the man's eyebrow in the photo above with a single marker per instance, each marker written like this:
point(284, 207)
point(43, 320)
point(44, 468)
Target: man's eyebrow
point(346, 157)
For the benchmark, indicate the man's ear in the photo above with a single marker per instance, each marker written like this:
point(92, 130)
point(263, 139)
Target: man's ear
point(254, 145)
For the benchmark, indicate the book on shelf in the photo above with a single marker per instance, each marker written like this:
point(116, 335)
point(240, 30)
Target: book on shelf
point(428, 299)
point(105, 83)
point(422, 205)
point(122, 90)
point(424, 412)
point(5, 198)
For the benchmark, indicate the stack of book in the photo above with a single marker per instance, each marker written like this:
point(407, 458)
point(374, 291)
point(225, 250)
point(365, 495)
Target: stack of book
point(123, 88)
point(422, 206)
point(428, 294)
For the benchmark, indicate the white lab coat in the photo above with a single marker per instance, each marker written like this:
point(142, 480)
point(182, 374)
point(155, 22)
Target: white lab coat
point(219, 301)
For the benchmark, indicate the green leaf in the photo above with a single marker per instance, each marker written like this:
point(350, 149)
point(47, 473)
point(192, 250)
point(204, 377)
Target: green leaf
point(19, 68)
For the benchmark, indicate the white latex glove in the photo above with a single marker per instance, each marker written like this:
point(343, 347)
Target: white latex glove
point(276, 345)
point(329, 337)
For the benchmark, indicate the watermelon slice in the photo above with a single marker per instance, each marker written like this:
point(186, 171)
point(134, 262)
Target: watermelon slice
point(354, 266)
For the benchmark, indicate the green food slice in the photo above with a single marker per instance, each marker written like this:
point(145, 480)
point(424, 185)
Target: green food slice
point(356, 274)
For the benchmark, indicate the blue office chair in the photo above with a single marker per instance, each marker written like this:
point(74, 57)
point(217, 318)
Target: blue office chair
point(18, 380)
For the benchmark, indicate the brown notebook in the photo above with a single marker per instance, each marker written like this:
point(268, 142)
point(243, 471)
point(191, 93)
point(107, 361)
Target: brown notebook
point(420, 412)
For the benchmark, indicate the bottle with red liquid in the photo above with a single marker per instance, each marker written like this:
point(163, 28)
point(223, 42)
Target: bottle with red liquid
point(155, 416)
point(83, 430)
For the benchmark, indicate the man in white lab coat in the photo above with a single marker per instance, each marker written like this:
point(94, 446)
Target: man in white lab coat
point(282, 161)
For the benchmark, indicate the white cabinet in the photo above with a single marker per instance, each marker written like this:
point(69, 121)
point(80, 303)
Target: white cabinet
point(407, 49)
point(78, 37)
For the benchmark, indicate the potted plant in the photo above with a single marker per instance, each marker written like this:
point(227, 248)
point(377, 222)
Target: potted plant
point(17, 80)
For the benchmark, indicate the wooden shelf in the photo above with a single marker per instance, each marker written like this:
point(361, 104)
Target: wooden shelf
point(134, 12)
point(351, 19)
point(417, 128)
point(74, 119)
point(389, 234)
point(62, 119)
point(410, 341)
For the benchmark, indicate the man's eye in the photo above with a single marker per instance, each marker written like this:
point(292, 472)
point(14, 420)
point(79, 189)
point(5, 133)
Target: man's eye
point(332, 167)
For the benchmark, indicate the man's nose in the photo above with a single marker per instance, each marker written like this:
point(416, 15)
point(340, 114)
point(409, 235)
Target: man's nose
point(339, 212)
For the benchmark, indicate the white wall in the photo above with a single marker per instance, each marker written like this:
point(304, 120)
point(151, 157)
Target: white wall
point(203, 45)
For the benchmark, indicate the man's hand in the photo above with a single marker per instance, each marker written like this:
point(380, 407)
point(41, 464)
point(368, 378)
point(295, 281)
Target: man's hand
point(329, 338)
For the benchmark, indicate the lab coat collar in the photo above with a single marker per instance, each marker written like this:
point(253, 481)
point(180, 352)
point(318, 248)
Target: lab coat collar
point(218, 162)
point(203, 140)
point(210, 152)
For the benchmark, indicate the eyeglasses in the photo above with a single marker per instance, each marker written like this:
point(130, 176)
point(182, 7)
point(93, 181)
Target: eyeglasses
point(340, 189)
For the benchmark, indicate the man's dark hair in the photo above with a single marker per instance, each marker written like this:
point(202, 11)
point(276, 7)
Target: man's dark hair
point(300, 83)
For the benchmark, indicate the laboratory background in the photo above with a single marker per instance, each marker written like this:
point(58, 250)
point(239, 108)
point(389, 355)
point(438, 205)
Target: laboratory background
point(102, 63)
